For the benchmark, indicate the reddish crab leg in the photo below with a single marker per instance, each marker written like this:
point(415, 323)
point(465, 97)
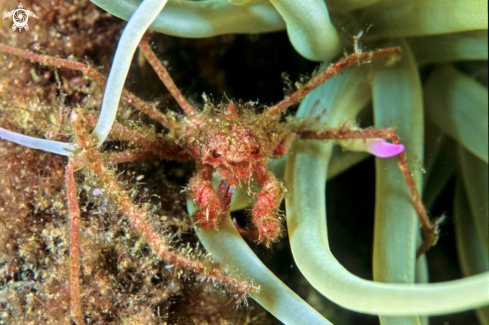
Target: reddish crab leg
point(329, 72)
point(429, 230)
point(225, 192)
point(163, 149)
point(130, 156)
point(75, 302)
point(165, 76)
point(146, 108)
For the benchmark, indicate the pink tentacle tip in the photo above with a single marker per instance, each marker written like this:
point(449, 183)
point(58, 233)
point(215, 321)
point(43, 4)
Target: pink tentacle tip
point(384, 149)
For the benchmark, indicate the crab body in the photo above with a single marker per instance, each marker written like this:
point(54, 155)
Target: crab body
point(237, 147)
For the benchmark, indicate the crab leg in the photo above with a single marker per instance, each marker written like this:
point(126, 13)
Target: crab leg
point(165, 76)
point(75, 302)
point(130, 156)
point(163, 147)
point(145, 107)
point(160, 247)
point(329, 72)
point(384, 149)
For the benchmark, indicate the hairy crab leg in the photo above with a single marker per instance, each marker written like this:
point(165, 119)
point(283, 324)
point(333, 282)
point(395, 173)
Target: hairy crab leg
point(164, 147)
point(145, 107)
point(356, 58)
point(167, 150)
point(130, 156)
point(384, 149)
point(165, 76)
point(74, 210)
point(265, 215)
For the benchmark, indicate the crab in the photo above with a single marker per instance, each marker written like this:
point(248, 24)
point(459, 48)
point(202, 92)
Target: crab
point(237, 143)
point(231, 139)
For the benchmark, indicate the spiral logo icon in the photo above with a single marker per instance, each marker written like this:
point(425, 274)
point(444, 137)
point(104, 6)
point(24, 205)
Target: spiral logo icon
point(20, 17)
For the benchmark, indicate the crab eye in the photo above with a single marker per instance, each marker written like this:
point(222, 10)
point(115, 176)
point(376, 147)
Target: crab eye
point(257, 151)
point(213, 154)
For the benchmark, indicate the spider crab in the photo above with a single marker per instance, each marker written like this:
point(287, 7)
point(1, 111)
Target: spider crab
point(237, 143)
point(234, 141)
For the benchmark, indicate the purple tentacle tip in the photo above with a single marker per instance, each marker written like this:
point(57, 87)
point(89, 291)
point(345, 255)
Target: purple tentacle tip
point(384, 149)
